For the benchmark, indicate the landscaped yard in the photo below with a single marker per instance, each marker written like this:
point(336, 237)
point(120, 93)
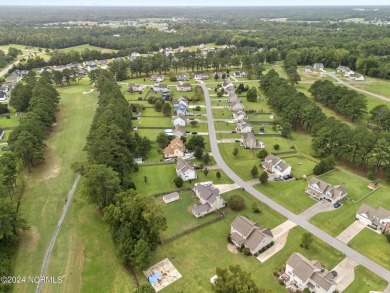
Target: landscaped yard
point(90, 47)
point(373, 245)
point(300, 165)
point(12, 122)
point(365, 279)
point(153, 122)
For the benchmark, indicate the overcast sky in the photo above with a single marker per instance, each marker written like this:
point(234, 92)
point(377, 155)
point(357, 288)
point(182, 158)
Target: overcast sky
point(195, 2)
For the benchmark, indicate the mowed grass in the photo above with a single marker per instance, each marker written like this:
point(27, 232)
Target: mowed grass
point(90, 47)
point(13, 120)
point(380, 87)
point(300, 165)
point(160, 179)
point(365, 279)
point(334, 222)
point(372, 245)
point(290, 194)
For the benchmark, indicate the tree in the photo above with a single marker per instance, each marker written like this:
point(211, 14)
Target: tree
point(100, 185)
point(146, 179)
point(141, 255)
point(262, 154)
point(307, 239)
point(254, 171)
point(255, 207)
point(276, 147)
point(163, 140)
point(167, 109)
point(235, 152)
point(178, 181)
point(8, 171)
point(218, 174)
point(158, 105)
point(196, 141)
point(206, 158)
point(145, 288)
point(286, 129)
point(205, 172)
point(10, 221)
point(198, 153)
point(251, 95)
point(263, 177)
point(234, 280)
point(236, 202)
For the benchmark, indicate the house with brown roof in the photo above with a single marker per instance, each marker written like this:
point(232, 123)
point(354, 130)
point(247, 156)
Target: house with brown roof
point(376, 218)
point(274, 164)
point(249, 141)
point(185, 87)
point(322, 190)
point(245, 233)
point(209, 198)
point(303, 273)
point(175, 149)
point(185, 170)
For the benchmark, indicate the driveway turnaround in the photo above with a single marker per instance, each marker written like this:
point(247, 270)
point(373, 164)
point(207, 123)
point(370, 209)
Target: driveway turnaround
point(319, 207)
point(337, 244)
point(345, 273)
point(353, 229)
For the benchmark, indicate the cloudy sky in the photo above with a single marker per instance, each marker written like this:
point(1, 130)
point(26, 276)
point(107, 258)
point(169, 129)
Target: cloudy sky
point(195, 2)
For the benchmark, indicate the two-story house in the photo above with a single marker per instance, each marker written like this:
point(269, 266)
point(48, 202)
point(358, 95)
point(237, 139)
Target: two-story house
point(249, 141)
point(185, 170)
point(180, 119)
point(244, 127)
point(323, 190)
point(185, 87)
point(175, 149)
point(377, 218)
point(209, 198)
point(157, 77)
point(274, 164)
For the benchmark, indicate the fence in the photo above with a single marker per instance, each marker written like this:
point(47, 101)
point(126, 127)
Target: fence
point(269, 134)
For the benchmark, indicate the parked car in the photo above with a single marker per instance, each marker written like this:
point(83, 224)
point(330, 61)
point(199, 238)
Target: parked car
point(5, 148)
point(233, 131)
point(286, 177)
point(194, 132)
point(334, 274)
point(337, 205)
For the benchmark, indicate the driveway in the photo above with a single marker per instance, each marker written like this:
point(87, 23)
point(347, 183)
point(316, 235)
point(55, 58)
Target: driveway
point(354, 229)
point(223, 188)
point(319, 207)
point(280, 233)
point(345, 273)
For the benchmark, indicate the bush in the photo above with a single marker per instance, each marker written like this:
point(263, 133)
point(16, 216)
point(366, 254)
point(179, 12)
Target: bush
point(197, 108)
point(276, 147)
point(178, 181)
point(236, 202)
point(246, 251)
point(228, 238)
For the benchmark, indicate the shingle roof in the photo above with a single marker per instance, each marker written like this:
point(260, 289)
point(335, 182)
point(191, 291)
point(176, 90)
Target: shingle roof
point(200, 209)
point(243, 225)
point(170, 196)
point(301, 266)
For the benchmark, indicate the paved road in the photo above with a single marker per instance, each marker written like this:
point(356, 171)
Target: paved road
point(349, 252)
point(5, 70)
point(339, 80)
point(53, 239)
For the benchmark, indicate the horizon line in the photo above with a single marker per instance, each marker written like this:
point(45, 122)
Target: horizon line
point(190, 6)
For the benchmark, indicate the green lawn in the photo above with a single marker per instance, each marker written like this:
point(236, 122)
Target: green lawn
point(12, 122)
point(290, 194)
point(222, 114)
point(149, 133)
point(154, 122)
point(90, 47)
point(300, 165)
point(373, 245)
point(365, 278)
point(160, 179)
point(379, 87)
point(220, 125)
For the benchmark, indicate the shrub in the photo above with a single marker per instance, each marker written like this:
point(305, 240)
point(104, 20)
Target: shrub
point(197, 108)
point(178, 181)
point(246, 251)
point(276, 147)
point(236, 202)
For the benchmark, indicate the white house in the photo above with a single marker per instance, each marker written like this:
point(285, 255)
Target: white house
point(3, 96)
point(239, 74)
point(185, 170)
point(134, 87)
point(160, 88)
point(245, 233)
point(274, 164)
point(309, 68)
point(244, 127)
point(179, 120)
point(318, 66)
point(323, 190)
point(157, 77)
point(209, 198)
point(303, 273)
point(171, 197)
point(376, 218)
point(249, 141)
point(201, 76)
point(185, 87)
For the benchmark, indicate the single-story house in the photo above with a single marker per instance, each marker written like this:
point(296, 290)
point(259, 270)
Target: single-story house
point(12, 79)
point(209, 198)
point(185, 87)
point(5, 88)
point(160, 88)
point(304, 273)
point(2, 133)
point(185, 170)
point(245, 233)
point(323, 190)
point(175, 148)
point(179, 131)
point(309, 68)
point(135, 87)
point(180, 119)
point(318, 66)
point(239, 74)
point(182, 77)
point(171, 197)
point(349, 73)
point(201, 76)
point(373, 217)
point(249, 141)
point(274, 164)
point(244, 127)
point(157, 77)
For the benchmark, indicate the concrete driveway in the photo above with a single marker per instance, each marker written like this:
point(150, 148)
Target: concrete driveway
point(345, 273)
point(354, 229)
point(223, 188)
point(319, 207)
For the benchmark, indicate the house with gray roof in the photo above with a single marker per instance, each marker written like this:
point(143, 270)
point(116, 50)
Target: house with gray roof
point(182, 77)
point(185, 170)
point(274, 164)
point(236, 106)
point(249, 141)
point(303, 273)
point(245, 233)
point(209, 198)
point(227, 84)
point(131, 87)
point(244, 127)
point(309, 68)
point(170, 197)
point(185, 87)
point(239, 74)
point(179, 120)
point(239, 116)
point(201, 76)
point(377, 218)
point(157, 77)
point(179, 131)
point(322, 190)
point(160, 88)
point(318, 66)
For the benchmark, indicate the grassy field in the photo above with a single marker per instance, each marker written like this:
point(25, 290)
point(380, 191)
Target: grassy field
point(12, 122)
point(300, 165)
point(372, 245)
point(290, 194)
point(381, 88)
point(90, 47)
point(365, 279)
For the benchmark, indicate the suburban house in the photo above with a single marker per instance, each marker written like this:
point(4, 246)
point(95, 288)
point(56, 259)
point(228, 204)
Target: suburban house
point(322, 190)
point(181, 108)
point(233, 99)
point(185, 170)
point(2, 132)
point(274, 164)
point(175, 149)
point(343, 69)
point(182, 77)
point(13, 79)
point(171, 197)
point(356, 76)
point(179, 131)
point(237, 106)
point(134, 56)
point(239, 116)
point(5, 88)
point(180, 119)
point(245, 233)
point(3, 96)
point(157, 77)
point(160, 88)
point(244, 127)
point(239, 74)
point(349, 73)
point(209, 198)
point(302, 273)
point(201, 76)
point(318, 66)
point(134, 87)
point(181, 100)
point(377, 218)
point(227, 84)
point(185, 87)
point(249, 141)
point(309, 68)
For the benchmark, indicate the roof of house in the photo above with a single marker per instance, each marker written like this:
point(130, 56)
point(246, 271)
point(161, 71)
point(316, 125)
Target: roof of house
point(184, 85)
point(171, 196)
point(309, 67)
point(243, 225)
point(302, 267)
point(178, 128)
point(372, 213)
point(207, 192)
point(324, 279)
point(183, 165)
point(175, 144)
point(335, 191)
point(276, 162)
point(200, 209)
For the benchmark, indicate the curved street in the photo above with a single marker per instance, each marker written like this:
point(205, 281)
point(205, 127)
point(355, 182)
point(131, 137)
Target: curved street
point(349, 252)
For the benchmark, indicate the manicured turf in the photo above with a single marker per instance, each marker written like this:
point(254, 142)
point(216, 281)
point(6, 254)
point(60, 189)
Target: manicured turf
point(12, 122)
point(90, 47)
point(154, 122)
point(300, 165)
point(380, 87)
point(290, 194)
point(365, 279)
point(373, 245)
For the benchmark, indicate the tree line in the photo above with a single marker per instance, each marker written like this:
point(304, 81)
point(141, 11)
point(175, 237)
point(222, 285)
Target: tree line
point(358, 146)
point(135, 220)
